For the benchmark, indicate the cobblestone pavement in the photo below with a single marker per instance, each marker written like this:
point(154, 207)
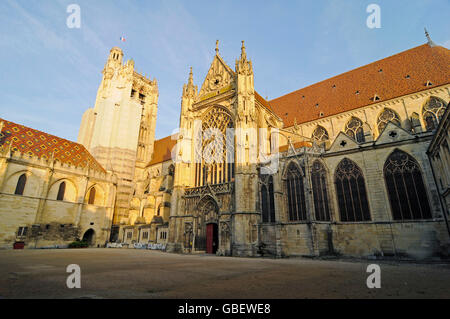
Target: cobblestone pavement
point(129, 273)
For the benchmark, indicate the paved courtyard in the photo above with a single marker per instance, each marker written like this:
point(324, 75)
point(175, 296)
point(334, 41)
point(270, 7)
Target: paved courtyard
point(129, 273)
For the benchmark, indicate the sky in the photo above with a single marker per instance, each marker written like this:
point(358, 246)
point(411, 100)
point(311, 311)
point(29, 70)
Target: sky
point(50, 73)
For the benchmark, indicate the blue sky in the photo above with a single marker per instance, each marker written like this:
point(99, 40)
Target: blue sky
point(50, 73)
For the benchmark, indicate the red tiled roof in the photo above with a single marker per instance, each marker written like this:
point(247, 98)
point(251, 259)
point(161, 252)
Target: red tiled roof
point(284, 148)
point(401, 74)
point(162, 150)
point(36, 143)
point(263, 101)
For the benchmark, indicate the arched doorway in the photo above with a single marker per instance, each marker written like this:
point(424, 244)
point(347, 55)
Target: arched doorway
point(212, 238)
point(89, 237)
point(206, 229)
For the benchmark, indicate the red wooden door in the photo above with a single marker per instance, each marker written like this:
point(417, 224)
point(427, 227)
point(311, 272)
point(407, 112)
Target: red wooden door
point(209, 238)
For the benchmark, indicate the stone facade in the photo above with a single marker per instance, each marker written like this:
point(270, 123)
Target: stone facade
point(36, 216)
point(337, 168)
point(119, 130)
point(439, 155)
point(235, 207)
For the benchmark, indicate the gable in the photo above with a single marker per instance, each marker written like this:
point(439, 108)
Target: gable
point(219, 77)
point(342, 143)
point(392, 133)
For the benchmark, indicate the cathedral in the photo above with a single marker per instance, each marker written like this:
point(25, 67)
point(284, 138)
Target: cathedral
point(355, 165)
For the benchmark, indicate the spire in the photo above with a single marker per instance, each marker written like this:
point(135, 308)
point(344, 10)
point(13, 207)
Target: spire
point(217, 46)
point(190, 89)
point(243, 54)
point(191, 78)
point(429, 41)
point(243, 66)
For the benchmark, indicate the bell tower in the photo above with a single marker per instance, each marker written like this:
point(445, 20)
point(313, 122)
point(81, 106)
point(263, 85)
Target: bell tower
point(119, 131)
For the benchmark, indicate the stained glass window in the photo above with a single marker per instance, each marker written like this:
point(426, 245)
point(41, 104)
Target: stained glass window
point(351, 192)
point(385, 117)
point(295, 193)
point(432, 112)
point(405, 187)
point(320, 192)
point(354, 129)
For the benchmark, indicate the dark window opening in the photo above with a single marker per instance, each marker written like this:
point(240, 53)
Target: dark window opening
point(268, 202)
point(61, 191)
point(351, 192)
point(320, 192)
point(91, 200)
point(21, 185)
point(295, 193)
point(405, 187)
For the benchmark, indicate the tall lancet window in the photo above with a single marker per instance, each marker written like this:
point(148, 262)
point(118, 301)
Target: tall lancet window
point(268, 201)
point(320, 192)
point(406, 190)
point(215, 153)
point(295, 193)
point(351, 192)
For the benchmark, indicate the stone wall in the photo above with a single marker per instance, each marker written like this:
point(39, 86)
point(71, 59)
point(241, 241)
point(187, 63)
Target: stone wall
point(49, 221)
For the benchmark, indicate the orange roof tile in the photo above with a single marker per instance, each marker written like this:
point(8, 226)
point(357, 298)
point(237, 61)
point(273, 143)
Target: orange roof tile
point(284, 148)
point(263, 101)
point(162, 150)
point(36, 143)
point(404, 73)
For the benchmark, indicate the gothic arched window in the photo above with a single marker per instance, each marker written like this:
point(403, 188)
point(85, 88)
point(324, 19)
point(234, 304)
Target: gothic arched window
point(91, 200)
point(320, 193)
point(385, 117)
point(432, 112)
point(268, 202)
point(351, 192)
point(405, 187)
point(354, 129)
point(320, 134)
point(295, 193)
point(61, 191)
point(20, 187)
point(212, 167)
